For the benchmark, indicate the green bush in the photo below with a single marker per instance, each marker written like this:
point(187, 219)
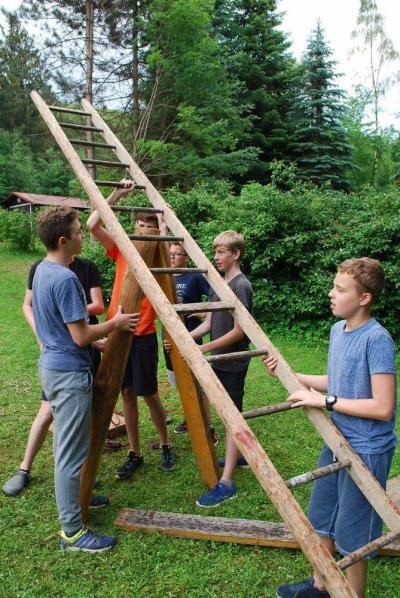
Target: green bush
point(17, 228)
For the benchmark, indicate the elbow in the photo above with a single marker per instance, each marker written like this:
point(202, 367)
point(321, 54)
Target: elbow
point(386, 416)
point(97, 309)
point(79, 340)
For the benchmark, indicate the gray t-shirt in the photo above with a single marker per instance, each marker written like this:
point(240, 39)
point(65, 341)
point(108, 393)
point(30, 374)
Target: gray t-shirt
point(222, 322)
point(58, 299)
point(354, 356)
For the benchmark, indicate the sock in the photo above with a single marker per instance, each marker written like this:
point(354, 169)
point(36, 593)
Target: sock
point(228, 483)
point(24, 470)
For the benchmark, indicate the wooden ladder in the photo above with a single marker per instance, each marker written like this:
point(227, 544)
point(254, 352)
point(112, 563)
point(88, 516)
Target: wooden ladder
point(330, 571)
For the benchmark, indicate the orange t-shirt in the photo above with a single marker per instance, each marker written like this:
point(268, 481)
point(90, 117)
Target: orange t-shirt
point(147, 319)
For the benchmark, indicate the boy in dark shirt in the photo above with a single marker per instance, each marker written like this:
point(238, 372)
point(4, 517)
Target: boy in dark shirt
point(226, 336)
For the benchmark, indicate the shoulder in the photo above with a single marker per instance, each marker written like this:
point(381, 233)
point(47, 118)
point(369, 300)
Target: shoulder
point(379, 335)
point(241, 282)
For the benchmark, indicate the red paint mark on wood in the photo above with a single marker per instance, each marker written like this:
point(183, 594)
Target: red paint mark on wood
point(247, 438)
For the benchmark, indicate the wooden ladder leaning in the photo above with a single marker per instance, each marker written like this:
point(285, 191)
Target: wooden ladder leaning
point(330, 571)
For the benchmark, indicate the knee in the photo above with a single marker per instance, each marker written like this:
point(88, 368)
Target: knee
point(129, 397)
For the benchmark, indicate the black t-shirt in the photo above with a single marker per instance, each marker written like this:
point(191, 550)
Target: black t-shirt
point(222, 322)
point(190, 288)
point(87, 273)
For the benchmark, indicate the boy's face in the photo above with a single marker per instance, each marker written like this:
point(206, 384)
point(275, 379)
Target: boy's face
point(225, 259)
point(73, 244)
point(146, 224)
point(179, 258)
point(346, 298)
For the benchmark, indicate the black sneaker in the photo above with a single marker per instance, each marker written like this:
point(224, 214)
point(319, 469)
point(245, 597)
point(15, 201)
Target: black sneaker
point(301, 589)
point(167, 458)
point(127, 469)
point(181, 428)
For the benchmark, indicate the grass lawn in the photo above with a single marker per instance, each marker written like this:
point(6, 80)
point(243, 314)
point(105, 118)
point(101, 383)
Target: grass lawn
point(147, 565)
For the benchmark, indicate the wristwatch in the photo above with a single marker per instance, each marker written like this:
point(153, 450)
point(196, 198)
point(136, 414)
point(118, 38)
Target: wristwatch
point(330, 401)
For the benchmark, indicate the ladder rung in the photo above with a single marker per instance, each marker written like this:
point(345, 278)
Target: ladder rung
point(361, 553)
point(178, 271)
point(154, 238)
point(80, 127)
point(135, 208)
point(116, 184)
point(192, 308)
point(69, 110)
point(269, 410)
point(309, 476)
point(109, 163)
point(236, 355)
point(91, 143)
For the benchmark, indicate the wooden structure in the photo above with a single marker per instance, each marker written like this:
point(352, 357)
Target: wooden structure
point(276, 489)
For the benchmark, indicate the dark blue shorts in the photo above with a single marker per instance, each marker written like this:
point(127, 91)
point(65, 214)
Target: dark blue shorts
point(339, 510)
point(141, 367)
point(233, 382)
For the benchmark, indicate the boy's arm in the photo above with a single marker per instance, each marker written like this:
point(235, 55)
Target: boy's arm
point(203, 328)
point(83, 333)
point(28, 313)
point(319, 383)
point(228, 339)
point(94, 220)
point(380, 407)
point(96, 307)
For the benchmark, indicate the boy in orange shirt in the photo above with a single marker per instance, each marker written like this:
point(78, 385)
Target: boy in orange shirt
point(141, 371)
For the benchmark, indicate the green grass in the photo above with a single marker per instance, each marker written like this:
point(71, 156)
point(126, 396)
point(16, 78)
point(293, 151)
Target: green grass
point(144, 564)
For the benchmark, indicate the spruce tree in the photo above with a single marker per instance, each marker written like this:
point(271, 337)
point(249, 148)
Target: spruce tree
point(319, 142)
point(256, 54)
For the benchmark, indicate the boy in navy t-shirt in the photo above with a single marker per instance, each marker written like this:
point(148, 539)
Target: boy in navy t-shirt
point(361, 387)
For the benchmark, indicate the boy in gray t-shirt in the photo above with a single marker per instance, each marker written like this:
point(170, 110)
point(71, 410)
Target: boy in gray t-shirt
point(361, 387)
point(226, 336)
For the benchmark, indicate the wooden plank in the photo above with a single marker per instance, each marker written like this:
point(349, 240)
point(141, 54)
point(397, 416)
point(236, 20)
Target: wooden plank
point(68, 110)
point(393, 489)
point(109, 163)
point(269, 410)
point(236, 355)
point(157, 239)
point(364, 551)
point(218, 529)
point(193, 408)
point(177, 271)
point(135, 209)
point(86, 143)
point(117, 185)
point(80, 127)
point(263, 468)
point(330, 434)
point(315, 474)
point(192, 308)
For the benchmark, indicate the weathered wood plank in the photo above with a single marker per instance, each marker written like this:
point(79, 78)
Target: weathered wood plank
point(218, 529)
point(191, 308)
point(236, 355)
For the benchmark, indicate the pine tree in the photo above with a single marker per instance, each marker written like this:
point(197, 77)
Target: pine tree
point(319, 142)
point(256, 54)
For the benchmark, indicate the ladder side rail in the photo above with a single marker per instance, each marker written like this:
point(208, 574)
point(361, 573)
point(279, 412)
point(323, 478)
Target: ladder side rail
point(367, 483)
point(246, 441)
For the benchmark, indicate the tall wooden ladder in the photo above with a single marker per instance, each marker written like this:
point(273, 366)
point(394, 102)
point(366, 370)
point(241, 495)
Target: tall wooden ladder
point(278, 491)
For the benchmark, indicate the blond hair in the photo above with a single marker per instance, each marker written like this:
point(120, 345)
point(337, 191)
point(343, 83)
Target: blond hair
point(231, 240)
point(368, 274)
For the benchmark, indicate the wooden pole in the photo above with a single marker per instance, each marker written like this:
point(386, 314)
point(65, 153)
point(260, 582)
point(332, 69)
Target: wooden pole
point(109, 378)
point(189, 392)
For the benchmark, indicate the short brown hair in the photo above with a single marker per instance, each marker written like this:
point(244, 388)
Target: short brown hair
point(148, 217)
point(54, 223)
point(368, 274)
point(230, 239)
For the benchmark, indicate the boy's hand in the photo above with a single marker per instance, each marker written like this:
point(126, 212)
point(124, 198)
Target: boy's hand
point(307, 398)
point(129, 186)
point(167, 345)
point(270, 362)
point(126, 322)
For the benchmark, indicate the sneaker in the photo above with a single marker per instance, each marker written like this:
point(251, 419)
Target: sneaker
point(99, 502)
point(181, 428)
point(17, 483)
point(127, 469)
point(86, 540)
point(216, 495)
point(214, 436)
point(168, 418)
point(167, 458)
point(301, 589)
point(241, 463)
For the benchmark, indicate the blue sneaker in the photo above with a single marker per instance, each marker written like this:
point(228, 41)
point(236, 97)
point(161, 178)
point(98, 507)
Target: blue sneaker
point(216, 495)
point(86, 540)
point(241, 463)
point(301, 589)
point(99, 502)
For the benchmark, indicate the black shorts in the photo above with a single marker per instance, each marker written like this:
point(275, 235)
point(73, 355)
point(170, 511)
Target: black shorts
point(233, 382)
point(141, 368)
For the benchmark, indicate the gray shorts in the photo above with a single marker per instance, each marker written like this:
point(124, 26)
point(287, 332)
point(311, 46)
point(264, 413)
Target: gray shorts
point(339, 510)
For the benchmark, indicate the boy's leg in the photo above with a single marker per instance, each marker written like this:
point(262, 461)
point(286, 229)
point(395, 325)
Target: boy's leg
point(131, 415)
point(357, 576)
point(37, 434)
point(158, 416)
point(232, 455)
point(70, 397)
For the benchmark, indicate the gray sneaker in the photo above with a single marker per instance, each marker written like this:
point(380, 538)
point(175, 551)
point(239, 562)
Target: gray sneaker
point(17, 483)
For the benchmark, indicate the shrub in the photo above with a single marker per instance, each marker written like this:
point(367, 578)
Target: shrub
point(17, 228)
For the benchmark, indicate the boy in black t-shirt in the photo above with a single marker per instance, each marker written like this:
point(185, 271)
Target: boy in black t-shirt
point(226, 336)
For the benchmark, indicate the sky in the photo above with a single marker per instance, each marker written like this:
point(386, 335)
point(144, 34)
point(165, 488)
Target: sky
point(338, 18)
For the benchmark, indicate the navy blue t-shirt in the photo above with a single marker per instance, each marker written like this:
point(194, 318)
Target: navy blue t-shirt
point(190, 288)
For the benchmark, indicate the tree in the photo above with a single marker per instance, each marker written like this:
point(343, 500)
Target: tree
point(319, 141)
point(256, 54)
point(21, 70)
